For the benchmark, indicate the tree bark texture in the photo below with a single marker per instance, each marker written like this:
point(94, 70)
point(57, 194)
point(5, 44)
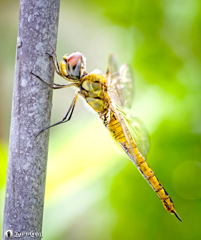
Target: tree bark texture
point(31, 109)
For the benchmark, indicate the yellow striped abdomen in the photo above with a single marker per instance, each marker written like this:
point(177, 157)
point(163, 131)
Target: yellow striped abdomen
point(115, 124)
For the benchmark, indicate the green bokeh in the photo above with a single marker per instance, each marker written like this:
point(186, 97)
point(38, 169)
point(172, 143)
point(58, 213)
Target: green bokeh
point(91, 191)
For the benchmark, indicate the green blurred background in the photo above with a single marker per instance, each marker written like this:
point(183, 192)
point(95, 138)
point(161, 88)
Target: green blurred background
point(91, 191)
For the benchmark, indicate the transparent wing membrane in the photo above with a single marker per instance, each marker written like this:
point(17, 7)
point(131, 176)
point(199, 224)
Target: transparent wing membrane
point(139, 134)
point(137, 131)
point(121, 83)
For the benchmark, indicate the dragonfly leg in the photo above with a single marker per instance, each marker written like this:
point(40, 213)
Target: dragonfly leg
point(55, 63)
point(57, 68)
point(55, 85)
point(67, 116)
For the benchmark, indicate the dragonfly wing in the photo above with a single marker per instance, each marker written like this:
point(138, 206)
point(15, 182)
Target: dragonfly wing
point(126, 85)
point(137, 130)
point(112, 65)
point(120, 82)
point(120, 134)
point(139, 134)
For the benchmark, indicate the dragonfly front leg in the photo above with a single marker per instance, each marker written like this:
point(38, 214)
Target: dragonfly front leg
point(67, 116)
point(55, 85)
point(56, 64)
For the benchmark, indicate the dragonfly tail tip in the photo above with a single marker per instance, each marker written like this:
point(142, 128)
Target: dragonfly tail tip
point(175, 213)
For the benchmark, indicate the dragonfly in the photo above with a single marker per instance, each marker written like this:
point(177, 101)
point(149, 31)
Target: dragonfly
point(109, 95)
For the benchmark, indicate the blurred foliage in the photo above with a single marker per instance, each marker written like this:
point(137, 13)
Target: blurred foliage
point(92, 192)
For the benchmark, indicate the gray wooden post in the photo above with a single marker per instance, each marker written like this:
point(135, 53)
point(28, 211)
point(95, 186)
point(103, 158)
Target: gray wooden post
point(31, 109)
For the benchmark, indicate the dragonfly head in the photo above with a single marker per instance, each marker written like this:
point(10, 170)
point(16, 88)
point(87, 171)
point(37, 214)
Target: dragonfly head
point(74, 65)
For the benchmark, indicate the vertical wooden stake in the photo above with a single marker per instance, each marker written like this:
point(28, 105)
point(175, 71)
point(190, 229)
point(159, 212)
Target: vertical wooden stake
point(31, 109)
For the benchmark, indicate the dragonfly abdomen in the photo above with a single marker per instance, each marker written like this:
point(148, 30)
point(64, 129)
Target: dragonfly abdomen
point(156, 185)
point(112, 122)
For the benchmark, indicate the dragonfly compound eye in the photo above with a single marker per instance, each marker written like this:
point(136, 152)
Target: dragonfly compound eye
point(75, 65)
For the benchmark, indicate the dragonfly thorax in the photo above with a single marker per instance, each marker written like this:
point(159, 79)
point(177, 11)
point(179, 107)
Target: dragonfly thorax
point(94, 89)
